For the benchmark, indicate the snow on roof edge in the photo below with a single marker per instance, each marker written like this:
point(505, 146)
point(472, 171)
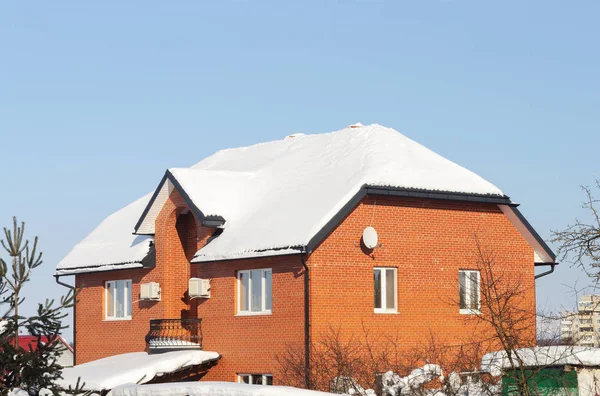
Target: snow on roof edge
point(548, 356)
point(98, 268)
point(249, 254)
point(134, 367)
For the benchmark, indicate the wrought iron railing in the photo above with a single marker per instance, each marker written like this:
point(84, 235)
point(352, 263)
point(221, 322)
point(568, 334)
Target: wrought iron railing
point(175, 334)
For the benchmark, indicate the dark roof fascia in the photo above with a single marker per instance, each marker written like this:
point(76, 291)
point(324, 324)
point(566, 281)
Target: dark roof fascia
point(533, 232)
point(400, 192)
point(540, 264)
point(206, 221)
point(447, 196)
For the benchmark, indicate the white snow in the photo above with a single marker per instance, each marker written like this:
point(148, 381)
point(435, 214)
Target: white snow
point(111, 245)
point(394, 385)
point(278, 195)
point(3, 325)
point(206, 388)
point(495, 362)
point(18, 392)
point(128, 368)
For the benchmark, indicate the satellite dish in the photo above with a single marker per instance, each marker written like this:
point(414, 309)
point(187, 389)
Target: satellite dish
point(370, 237)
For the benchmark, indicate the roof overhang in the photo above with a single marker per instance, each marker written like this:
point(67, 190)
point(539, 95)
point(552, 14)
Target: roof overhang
point(543, 255)
point(145, 225)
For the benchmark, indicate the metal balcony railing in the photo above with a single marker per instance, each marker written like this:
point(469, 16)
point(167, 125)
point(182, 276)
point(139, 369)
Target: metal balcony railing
point(175, 334)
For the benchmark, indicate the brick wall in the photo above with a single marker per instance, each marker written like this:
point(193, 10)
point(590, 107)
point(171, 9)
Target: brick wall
point(428, 241)
point(97, 338)
point(249, 344)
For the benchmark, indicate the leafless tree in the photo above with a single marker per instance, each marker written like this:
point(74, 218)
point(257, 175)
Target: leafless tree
point(336, 364)
point(580, 241)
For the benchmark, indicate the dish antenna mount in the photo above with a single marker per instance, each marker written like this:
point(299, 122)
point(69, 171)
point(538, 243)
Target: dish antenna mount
point(369, 237)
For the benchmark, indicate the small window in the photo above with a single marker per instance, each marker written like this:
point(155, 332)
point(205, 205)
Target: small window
point(255, 379)
point(469, 291)
point(254, 292)
point(118, 299)
point(386, 290)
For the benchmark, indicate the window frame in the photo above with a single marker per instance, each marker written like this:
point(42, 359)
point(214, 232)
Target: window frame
point(263, 290)
point(385, 310)
point(470, 311)
point(127, 300)
point(250, 377)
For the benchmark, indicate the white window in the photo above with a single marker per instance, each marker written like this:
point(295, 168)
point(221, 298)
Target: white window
point(256, 379)
point(386, 290)
point(118, 299)
point(254, 292)
point(469, 291)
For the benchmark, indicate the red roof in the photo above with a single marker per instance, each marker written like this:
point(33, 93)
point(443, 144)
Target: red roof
point(30, 342)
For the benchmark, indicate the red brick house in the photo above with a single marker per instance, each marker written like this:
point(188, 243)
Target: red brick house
point(271, 237)
point(65, 356)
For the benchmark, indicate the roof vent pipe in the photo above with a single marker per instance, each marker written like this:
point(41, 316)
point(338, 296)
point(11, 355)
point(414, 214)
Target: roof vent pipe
point(293, 135)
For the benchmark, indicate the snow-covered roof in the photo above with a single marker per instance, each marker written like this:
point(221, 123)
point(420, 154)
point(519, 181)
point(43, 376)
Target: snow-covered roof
point(495, 362)
point(276, 197)
point(132, 368)
point(112, 245)
point(209, 388)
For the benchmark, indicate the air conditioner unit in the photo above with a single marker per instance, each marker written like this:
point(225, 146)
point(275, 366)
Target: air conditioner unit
point(199, 288)
point(150, 291)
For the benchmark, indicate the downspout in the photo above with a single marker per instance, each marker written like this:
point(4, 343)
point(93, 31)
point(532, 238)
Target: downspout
point(551, 270)
point(56, 277)
point(307, 379)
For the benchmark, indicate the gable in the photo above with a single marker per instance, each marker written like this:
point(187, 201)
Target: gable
point(185, 187)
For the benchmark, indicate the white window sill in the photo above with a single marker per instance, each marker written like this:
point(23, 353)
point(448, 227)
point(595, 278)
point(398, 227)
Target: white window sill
point(387, 312)
point(469, 311)
point(116, 319)
point(263, 313)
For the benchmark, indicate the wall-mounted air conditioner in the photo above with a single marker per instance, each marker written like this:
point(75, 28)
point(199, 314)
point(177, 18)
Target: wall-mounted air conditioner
point(150, 291)
point(199, 288)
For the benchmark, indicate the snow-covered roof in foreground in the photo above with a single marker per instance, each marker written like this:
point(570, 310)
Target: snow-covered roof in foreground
point(207, 388)
point(495, 362)
point(132, 368)
point(276, 196)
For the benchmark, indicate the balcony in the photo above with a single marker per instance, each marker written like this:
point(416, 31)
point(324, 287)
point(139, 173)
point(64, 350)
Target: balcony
point(170, 334)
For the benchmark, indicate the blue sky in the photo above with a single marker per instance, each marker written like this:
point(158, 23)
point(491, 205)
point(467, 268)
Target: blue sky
point(97, 99)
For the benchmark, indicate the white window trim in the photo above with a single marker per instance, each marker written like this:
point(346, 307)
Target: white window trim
point(128, 295)
point(470, 311)
point(263, 302)
point(264, 378)
point(384, 291)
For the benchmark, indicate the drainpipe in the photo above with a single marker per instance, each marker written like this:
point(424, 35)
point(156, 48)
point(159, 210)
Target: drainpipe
point(56, 277)
point(551, 270)
point(307, 379)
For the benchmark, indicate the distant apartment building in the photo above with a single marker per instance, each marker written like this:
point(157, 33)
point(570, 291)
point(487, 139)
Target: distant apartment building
point(582, 327)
